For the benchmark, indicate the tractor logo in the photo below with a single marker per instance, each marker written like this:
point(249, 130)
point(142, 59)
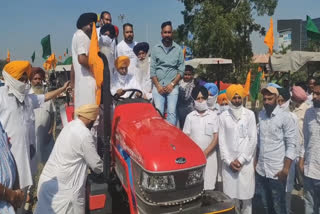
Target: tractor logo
point(181, 160)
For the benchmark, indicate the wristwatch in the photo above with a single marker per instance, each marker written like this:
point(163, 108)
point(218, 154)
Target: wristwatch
point(172, 84)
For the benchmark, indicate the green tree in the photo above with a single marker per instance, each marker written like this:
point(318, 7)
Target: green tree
point(222, 28)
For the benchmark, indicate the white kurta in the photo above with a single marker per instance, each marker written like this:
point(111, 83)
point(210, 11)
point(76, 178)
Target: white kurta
point(18, 120)
point(124, 49)
point(61, 188)
point(201, 129)
point(142, 75)
point(124, 82)
point(238, 140)
point(109, 49)
point(85, 84)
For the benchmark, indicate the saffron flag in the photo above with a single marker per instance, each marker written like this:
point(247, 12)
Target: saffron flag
point(247, 84)
point(46, 47)
point(255, 88)
point(65, 54)
point(33, 56)
point(8, 56)
point(50, 63)
point(60, 57)
point(95, 63)
point(312, 30)
point(269, 38)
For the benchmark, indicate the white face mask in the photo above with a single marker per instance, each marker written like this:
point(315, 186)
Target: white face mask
point(236, 111)
point(223, 108)
point(17, 88)
point(200, 106)
point(106, 40)
point(285, 106)
point(212, 101)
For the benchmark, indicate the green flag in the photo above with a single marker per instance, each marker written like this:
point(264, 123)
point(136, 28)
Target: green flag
point(46, 47)
point(67, 51)
point(312, 30)
point(255, 87)
point(33, 56)
point(68, 61)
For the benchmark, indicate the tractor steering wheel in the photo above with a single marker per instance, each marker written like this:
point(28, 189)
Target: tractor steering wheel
point(132, 90)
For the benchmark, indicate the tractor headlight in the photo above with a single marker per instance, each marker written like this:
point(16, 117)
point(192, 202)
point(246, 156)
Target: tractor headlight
point(195, 177)
point(157, 182)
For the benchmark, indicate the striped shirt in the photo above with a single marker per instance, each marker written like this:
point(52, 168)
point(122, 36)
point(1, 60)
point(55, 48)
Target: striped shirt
point(311, 131)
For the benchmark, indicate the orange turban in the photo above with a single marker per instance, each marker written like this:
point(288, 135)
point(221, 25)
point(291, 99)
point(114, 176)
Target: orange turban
point(17, 68)
point(233, 90)
point(221, 98)
point(122, 61)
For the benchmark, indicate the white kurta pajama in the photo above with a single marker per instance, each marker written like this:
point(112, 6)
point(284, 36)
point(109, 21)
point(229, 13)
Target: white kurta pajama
point(201, 129)
point(124, 82)
point(124, 49)
point(61, 188)
point(238, 140)
point(85, 83)
point(18, 121)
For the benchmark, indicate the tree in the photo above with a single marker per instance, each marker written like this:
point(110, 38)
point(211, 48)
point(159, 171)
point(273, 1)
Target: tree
point(222, 28)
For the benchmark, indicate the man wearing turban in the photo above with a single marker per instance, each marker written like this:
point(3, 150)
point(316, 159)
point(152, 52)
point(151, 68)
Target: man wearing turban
point(213, 94)
point(123, 80)
point(83, 80)
point(61, 188)
point(237, 144)
point(17, 115)
point(222, 101)
point(284, 104)
point(277, 148)
point(142, 72)
point(201, 125)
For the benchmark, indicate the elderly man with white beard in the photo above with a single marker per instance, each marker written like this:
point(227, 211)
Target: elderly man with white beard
point(142, 73)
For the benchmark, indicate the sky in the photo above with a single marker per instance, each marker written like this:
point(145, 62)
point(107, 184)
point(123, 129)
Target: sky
point(25, 23)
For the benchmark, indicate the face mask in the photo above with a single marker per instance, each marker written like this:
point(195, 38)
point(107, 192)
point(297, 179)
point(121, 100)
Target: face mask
point(224, 108)
point(200, 106)
point(316, 103)
point(236, 111)
point(285, 106)
point(211, 101)
point(106, 40)
point(269, 108)
point(17, 88)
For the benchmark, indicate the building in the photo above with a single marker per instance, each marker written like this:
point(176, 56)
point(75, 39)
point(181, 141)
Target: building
point(292, 32)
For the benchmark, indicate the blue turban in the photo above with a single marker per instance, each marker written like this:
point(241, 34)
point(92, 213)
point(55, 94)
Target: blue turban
point(212, 88)
point(273, 85)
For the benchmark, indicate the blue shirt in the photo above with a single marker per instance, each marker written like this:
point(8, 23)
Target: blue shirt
point(277, 139)
point(311, 131)
point(166, 65)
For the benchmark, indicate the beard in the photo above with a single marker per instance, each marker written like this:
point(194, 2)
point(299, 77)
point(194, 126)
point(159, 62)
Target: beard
point(143, 67)
point(38, 89)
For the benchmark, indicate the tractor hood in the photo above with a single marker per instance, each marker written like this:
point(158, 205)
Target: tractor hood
point(152, 142)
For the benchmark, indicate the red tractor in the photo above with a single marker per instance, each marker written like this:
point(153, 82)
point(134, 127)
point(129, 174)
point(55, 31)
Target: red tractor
point(150, 166)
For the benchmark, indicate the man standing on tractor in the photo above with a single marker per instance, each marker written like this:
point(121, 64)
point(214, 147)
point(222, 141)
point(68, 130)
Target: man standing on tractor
point(81, 78)
point(167, 68)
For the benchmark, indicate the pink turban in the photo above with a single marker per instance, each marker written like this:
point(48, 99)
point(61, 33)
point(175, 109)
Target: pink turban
point(298, 94)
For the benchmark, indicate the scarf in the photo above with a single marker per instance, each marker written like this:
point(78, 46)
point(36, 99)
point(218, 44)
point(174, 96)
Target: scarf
point(235, 111)
point(187, 88)
point(16, 87)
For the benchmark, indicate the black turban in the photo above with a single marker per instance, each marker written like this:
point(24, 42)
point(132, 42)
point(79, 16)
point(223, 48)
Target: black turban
point(86, 19)
point(110, 28)
point(141, 46)
point(165, 24)
point(197, 89)
point(284, 92)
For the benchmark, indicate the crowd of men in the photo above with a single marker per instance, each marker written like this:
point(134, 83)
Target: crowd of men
point(252, 155)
